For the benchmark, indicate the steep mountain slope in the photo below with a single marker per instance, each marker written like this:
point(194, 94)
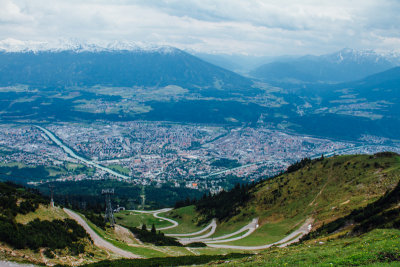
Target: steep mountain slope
point(367, 235)
point(383, 213)
point(323, 189)
point(161, 67)
point(344, 65)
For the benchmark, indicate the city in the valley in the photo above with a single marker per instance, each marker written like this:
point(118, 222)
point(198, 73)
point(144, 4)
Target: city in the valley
point(196, 156)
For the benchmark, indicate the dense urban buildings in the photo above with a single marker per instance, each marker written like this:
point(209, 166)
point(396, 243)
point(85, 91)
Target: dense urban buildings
point(183, 155)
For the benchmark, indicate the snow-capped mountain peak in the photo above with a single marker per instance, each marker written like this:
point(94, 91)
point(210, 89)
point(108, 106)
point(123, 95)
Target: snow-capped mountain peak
point(76, 45)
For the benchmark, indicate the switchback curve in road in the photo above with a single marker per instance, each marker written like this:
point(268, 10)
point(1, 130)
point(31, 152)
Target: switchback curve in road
point(289, 239)
point(213, 223)
point(155, 214)
point(174, 223)
point(97, 240)
point(187, 240)
point(249, 229)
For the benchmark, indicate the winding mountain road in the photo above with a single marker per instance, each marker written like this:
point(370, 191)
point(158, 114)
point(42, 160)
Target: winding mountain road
point(187, 240)
point(155, 214)
point(174, 223)
point(212, 224)
point(291, 238)
point(249, 229)
point(97, 240)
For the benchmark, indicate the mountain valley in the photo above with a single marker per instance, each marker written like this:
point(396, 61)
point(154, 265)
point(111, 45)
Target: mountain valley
point(254, 167)
point(325, 193)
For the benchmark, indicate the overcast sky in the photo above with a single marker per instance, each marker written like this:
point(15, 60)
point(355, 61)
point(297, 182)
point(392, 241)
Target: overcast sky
point(252, 27)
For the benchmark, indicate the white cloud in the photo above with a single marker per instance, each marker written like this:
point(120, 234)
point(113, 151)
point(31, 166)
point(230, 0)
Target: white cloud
point(230, 26)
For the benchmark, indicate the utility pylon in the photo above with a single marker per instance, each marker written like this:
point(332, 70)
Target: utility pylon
point(51, 195)
point(109, 215)
point(143, 196)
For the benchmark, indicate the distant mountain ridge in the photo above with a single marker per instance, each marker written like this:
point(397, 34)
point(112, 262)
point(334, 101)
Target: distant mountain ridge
point(117, 68)
point(380, 87)
point(370, 105)
point(12, 45)
point(342, 66)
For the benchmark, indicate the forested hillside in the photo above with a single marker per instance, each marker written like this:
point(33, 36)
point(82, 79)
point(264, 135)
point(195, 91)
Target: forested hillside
point(37, 233)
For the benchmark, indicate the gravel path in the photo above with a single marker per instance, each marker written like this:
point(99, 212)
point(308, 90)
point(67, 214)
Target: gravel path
point(98, 241)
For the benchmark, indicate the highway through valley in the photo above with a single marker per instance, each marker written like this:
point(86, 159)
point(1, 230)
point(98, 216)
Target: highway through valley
point(86, 161)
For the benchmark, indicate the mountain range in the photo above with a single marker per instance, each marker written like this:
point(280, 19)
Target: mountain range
point(342, 66)
point(370, 105)
point(163, 83)
point(119, 68)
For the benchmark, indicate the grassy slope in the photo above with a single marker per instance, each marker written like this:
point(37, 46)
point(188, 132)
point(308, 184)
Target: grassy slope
point(136, 219)
point(187, 224)
point(324, 190)
point(186, 218)
point(132, 246)
point(376, 247)
point(148, 250)
point(230, 227)
point(42, 213)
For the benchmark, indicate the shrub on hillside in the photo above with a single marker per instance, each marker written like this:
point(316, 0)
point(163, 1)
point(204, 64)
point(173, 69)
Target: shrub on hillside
point(36, 234)
point(158, 239)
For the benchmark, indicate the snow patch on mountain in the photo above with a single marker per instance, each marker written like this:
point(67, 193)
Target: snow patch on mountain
point(13, 45)
point(360, 56)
